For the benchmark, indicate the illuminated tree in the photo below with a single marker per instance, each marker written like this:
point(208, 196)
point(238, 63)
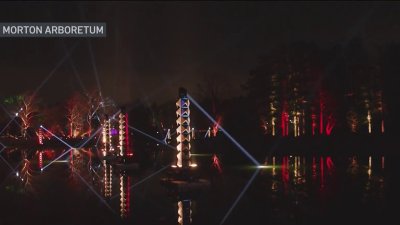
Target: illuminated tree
point(96, 105)
point(352, 121)
point(29, 109)
point(283, 85)
point(75, 115)
point(26, 108)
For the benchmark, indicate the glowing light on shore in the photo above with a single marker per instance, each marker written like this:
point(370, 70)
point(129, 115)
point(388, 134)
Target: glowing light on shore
point(273, 126)
point(369, 122)
point(369, 167)
point(273, 166)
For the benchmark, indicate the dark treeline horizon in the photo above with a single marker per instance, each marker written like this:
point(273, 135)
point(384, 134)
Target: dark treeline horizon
point(350, 76)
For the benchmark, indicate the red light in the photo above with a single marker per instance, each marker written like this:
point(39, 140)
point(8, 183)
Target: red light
point(40, 159)
point(322, 171)
point(128, 147)
point(216, 125)
point(329, 163)
point(321, 115)
point(217, 163)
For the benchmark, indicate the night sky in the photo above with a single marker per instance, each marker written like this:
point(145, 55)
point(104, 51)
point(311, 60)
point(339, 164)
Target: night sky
point(153, 48)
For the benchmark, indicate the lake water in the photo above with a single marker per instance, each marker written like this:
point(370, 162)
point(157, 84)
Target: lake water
point(80, 189)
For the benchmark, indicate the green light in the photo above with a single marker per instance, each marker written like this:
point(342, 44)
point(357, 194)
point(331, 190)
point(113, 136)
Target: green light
point(201, 155)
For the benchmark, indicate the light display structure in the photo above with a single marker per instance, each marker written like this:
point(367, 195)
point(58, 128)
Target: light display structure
point(183, 131)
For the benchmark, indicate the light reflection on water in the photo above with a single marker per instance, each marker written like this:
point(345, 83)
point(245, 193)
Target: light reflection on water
point(296, 184)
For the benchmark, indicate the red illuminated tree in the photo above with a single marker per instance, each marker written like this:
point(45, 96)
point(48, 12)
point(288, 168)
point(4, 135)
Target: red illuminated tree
point(75, 115)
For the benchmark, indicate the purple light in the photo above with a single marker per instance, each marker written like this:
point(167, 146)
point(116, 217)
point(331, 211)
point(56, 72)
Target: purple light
point(114, 131)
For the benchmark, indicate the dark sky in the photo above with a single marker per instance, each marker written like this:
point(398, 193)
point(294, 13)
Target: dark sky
point(153, 48)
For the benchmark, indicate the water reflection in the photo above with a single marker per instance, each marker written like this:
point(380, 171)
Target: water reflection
point(353, 168)
point(185, 212)
point(26, 172)
point(107, 179)
point(125, 183)
point(294, 170)
point(294, 185)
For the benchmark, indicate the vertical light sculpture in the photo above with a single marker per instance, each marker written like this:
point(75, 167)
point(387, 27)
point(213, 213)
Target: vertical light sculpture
point(124, 194)
point(121, 134)
point(183, 130)
point(106, 135)
point(369, 122)
point(273, 125)
point(124, 147)
point(40, 159)
point(109, 137)
point(40, 136)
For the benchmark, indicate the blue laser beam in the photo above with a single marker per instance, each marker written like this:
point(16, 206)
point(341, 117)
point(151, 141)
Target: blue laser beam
point(98, 140)
point(8, 164)
point(6, 111)
point(67, 55)
point(56, 136)
point(75, 71)
point(239, 146)
point(12, 116)
point(239, 196)
point(94, 192)
point(8, 124)
point(71, 148)
point(151, 137)
point(144, 179)
point(93, 61)
point(13, 172)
